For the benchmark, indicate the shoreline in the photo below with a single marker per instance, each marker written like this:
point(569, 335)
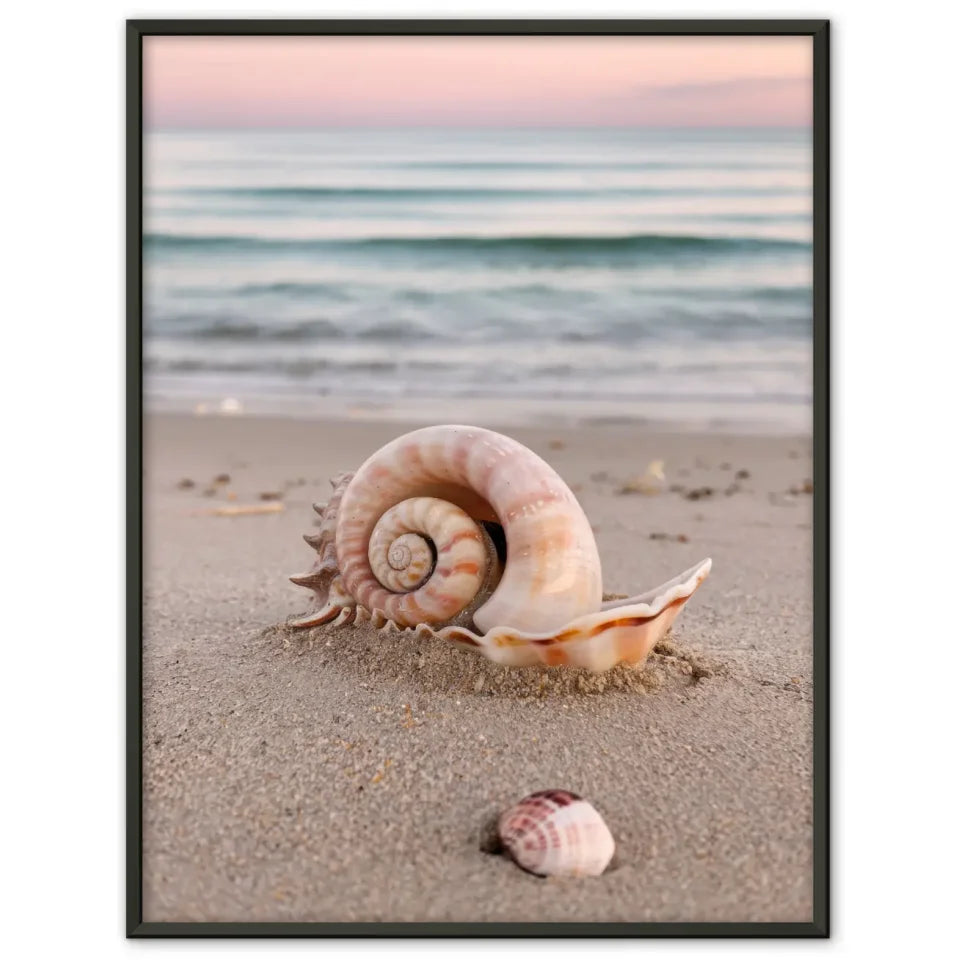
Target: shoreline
point(726, 417)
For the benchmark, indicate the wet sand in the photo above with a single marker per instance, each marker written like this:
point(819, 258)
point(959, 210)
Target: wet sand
point(344, 775)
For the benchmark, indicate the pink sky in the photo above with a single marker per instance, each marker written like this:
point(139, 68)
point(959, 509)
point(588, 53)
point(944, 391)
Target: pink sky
point(476, 81)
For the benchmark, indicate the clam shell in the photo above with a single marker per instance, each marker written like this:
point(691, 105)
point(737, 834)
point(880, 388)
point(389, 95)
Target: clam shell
point(555, 833)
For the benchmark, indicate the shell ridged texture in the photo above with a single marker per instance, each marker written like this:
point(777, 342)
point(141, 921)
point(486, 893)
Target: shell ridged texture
point(401, 559)
point(557, 833)
point(552, 572)
point(323, 578)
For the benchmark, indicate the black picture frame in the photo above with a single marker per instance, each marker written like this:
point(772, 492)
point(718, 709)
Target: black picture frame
point(819, 31)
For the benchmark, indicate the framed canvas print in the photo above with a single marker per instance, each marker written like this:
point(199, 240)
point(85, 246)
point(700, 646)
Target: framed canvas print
point(478, 478)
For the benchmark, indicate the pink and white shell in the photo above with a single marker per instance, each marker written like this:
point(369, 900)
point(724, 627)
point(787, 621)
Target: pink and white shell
point(555, 833)
point(406, 544)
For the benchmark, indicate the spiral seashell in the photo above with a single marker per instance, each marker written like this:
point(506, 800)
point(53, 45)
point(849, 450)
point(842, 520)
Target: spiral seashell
point(466, 535)
point(553, 573)
point(555, 833)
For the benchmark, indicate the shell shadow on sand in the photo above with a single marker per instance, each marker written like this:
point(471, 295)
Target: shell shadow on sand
point(434, 666)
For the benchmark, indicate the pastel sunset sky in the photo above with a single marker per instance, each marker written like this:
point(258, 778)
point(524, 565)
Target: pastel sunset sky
point(476, 81)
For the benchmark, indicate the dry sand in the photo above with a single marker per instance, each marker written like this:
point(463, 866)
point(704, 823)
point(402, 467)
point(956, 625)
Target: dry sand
point(342, 775)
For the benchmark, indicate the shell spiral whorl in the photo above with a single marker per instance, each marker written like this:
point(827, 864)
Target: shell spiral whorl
point(430, 556)
point(406, 550)
point(439, 481)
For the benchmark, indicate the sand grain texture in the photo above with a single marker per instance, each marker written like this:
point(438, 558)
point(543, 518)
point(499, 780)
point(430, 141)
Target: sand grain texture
point(344, 775)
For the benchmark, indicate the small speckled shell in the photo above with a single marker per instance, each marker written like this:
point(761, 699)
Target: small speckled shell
point(555, 833)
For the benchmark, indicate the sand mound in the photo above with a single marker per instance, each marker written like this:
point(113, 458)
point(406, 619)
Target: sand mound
point(436, 666)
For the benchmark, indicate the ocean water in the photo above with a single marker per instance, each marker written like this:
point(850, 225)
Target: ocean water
point(644, 273)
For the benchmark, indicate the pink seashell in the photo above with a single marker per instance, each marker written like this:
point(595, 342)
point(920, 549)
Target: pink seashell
point(464, 534)
point(551, 549)
point(555, 833)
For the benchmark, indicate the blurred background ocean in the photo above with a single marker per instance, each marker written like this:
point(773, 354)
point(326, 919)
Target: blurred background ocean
point(636, 273)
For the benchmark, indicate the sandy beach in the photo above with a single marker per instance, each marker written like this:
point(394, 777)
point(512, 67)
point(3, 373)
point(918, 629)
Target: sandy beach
point(343, 775)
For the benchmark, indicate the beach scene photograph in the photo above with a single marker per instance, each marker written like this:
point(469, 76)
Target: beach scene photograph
point(478, 479)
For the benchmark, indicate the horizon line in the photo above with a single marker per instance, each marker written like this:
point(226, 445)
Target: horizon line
point(190, 128)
